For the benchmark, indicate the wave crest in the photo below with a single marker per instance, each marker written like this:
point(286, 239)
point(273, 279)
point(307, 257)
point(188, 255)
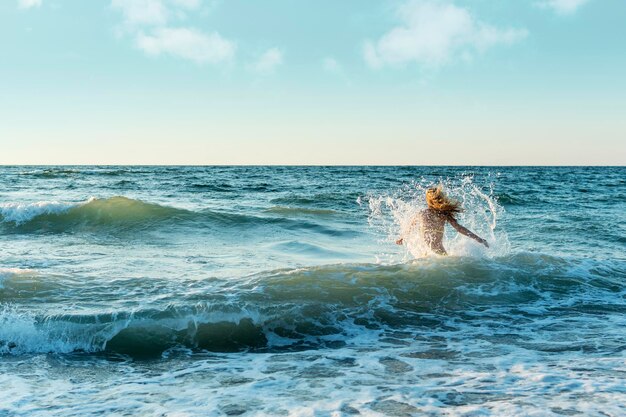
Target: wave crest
point(60, 216)
point(320, 306)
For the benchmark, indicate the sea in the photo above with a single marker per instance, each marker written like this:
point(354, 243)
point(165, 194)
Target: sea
point(280, 291)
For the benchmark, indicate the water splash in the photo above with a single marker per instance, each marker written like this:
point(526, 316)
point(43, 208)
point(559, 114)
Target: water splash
point(396, 215)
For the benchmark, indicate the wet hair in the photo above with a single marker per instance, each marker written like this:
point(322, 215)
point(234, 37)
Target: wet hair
point(438, 200)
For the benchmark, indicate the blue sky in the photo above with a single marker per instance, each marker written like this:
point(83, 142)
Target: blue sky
point(313, 82)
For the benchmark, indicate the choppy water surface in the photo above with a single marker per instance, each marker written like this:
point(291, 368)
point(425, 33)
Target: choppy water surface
point(279, 291)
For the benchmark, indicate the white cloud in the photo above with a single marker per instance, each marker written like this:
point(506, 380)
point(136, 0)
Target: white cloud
point(27, 4)
point(433, 33)
point(187, 43)
point(148, 21)
point(268, 61)
point(142, 12)
point(562, 7)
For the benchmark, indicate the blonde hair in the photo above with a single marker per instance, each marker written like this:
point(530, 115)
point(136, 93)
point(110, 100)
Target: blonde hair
point(438, 200)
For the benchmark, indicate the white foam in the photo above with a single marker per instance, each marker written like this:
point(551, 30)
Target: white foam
point(11, 272)
point(479, 376)
point(16, 271)
point(517, 383)
point(21, 333)
point(20, 213)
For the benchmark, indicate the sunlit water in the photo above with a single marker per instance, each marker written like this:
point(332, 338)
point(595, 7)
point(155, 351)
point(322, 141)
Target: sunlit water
point(208, 291)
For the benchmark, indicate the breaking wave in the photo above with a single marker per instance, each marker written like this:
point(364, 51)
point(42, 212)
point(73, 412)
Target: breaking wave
point(327, 306)
point(61, 216)
point(121, 212)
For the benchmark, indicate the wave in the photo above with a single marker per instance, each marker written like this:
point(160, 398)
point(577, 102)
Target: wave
point(297, 211)
point(59, 216)
point(202, 187)
point(20, 213)
point(320, 201)
point(64, 172)
point(97, 214)
point(509, 200)
point(51, 173)
point(9, 273)
point(326, 306)
point(307, 248)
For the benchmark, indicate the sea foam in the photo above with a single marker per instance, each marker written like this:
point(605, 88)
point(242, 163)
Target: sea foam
point(20, 213)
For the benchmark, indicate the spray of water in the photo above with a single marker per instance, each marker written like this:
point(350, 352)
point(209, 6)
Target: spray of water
point(396, 215)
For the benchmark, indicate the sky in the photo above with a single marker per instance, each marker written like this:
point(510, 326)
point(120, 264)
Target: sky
point(387, 82)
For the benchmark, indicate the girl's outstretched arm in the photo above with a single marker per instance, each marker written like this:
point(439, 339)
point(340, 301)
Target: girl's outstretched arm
point(465, 231)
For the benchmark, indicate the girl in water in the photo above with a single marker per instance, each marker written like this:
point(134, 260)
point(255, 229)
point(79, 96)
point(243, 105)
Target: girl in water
point(432, 220)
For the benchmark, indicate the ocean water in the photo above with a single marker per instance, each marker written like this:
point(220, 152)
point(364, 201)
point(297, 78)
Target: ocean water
point(279, 291)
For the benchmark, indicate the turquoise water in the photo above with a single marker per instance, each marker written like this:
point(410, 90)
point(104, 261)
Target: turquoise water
point(214, 291)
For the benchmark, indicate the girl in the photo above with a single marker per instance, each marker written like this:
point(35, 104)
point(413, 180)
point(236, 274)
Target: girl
point(441, 209)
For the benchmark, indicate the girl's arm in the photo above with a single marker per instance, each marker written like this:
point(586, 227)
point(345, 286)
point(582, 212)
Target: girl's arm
point(464, 231)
